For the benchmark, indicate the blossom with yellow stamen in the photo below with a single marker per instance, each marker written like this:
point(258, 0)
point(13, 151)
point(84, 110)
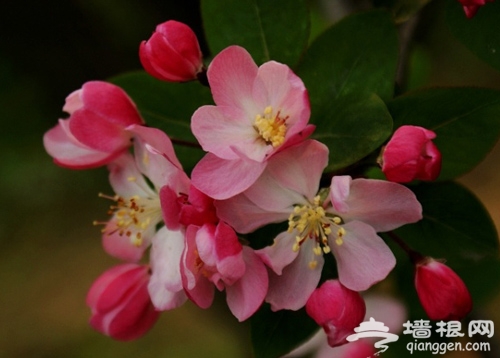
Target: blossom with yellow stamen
point(342, 220)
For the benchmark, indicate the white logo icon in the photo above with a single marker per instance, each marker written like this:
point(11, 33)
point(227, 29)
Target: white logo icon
point(374, 329)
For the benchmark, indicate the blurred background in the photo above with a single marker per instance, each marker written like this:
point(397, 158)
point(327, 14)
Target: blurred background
point(51, 252)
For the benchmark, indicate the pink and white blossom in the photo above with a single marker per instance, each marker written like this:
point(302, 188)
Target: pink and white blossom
point(120, 303)
point(343, 219)
point(212, 256)
point(259, 111)
point(95, 133)
point(172, 53)
point(136, 209)
point(136, 213)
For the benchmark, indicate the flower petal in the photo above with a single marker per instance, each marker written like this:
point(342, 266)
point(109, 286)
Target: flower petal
point(222, 179)
point(68, 152)
point(246, 295)
point(363, 259)
point(231, 75)
point(165, 285)
point(292, 288)
point(381, 204)
point(245, 216)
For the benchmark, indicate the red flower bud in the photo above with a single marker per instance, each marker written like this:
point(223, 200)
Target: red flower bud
point(442, 293)
point(472, 6)
point(337, 309)
point(410, 154)
point(120, 303)
point(172, 53)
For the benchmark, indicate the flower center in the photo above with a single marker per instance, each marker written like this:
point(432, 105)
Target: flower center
point(132, 216)
point(312, 222)
point(271, 128)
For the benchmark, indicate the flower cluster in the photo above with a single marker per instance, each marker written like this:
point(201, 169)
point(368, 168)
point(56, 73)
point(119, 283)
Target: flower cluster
point(261, 167)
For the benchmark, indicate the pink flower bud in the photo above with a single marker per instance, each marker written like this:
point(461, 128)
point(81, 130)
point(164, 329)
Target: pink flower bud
point(120, 303)
point(172, 53)
point(442, 293)
point(472, 6)
point(337, 309)
point(410, 154)
point(95, 133)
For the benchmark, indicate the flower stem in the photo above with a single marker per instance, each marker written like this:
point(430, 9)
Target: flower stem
point(415, 256)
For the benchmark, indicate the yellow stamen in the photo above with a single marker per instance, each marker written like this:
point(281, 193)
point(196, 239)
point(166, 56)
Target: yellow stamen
point(312, 221)
point(272, 129)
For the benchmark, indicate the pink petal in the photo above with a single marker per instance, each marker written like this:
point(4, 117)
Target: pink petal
point(135, 319)
point(156, 139)
point(339, 193)
point(220, 128)
point(277, 86)
point(222, 179)
point(108, 277)
point(363, 259)
point(73, 102)
point(381, 204)
point(300, 167)
point(155, 157)
point(280, 253)
point(292, 288)
point(111, 102)
point(68, 152)
point(228, 251)
point(94, 130)
point(231, 75)
point(246, 295)
point(120, 245)
point(126, 179)
point(245, 216)
point(165, 285)
point(198, 288)
point(170, 208)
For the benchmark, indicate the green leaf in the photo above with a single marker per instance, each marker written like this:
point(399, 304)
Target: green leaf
point(481, 34)
point(357, 56)
point(455, 225)
point(270, 30)
point(168, 106)
point(465, 120)
point(277, 333)
point(352, 128)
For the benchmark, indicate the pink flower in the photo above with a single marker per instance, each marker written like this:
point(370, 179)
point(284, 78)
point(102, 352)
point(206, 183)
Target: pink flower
point(214, 257)
point(410, 154)
point(137, 213)
point(172, 53)
point(136, 209)
point(95, 133)
point(337, 309)
point(472, 6)
point(120, 303)
point(343, 220)
point(442, 293)
point(259, 111)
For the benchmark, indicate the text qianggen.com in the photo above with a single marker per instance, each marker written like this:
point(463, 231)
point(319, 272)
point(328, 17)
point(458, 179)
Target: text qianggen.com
point(444, 347)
